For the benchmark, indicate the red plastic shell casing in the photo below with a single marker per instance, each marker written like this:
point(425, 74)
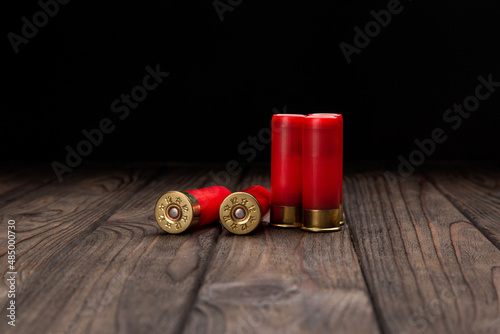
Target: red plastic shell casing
point(322, 164)
point(286, 160)
point(262, 195)
point(340, 173)
point(209, 199)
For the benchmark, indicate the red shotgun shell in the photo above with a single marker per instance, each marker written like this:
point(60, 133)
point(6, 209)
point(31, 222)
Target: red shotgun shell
point(241, 212)
point(321, 151)
point(340, 172)
point(286, 170)
point(176, 211)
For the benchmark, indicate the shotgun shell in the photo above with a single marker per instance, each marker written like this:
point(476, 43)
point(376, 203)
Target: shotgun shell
point(241, 212)
point(339, 171)
point(321, 152)
point(286, 171)
point(177, 211)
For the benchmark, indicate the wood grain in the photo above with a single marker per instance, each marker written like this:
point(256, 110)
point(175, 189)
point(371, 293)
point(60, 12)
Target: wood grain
point(51, 222)
point(167, 274)
point(415, 257)
point(282, 281)
point(427, 267)
point(475, 190)
point(125, 275)
point(16, 181)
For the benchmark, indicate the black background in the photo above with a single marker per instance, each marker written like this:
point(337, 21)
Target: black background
point(226, 78)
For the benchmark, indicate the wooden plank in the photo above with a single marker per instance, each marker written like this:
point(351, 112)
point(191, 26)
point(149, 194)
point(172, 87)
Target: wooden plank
point(50, 222)
point(167, 274)
point(475, 190)
point(282, 281)
point(17, 181)
point(126, 275)
point(427, 267)
point(10, 179)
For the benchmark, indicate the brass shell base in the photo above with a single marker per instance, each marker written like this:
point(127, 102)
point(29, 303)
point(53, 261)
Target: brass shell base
point(246, 202)
point(321, 220)
point(324, 229)
point(286, 216)
point(188, 214)
point(341, 216)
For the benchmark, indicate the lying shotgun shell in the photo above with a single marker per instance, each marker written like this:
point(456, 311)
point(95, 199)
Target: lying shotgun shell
point(241, 212)
point(177, 211)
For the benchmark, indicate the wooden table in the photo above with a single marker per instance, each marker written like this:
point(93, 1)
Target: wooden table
point(417, 255)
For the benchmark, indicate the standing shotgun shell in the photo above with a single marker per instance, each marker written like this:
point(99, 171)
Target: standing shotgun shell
point(320, 170)
point(241, 212)
point(286, 170)
point(340, 172)
point(176, 211)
